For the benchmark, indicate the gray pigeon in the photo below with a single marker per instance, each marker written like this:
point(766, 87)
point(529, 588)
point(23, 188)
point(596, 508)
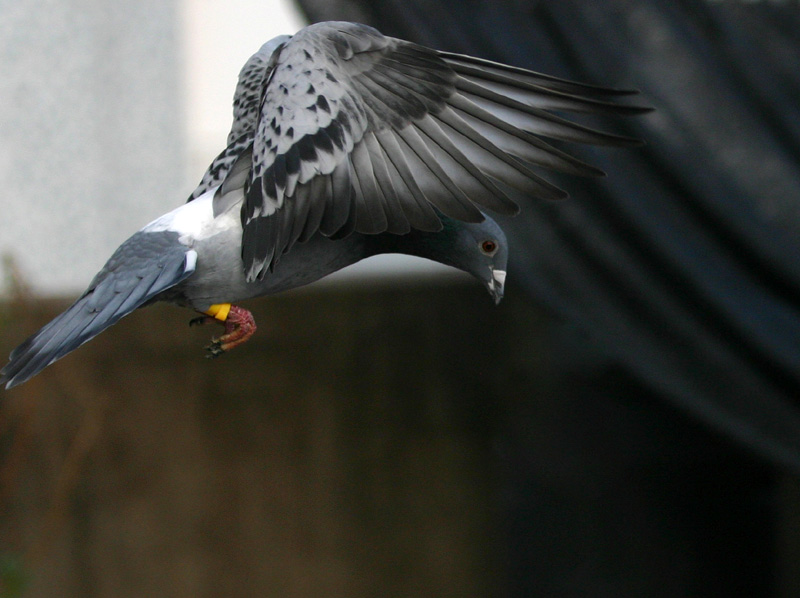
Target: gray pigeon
point(345, 144)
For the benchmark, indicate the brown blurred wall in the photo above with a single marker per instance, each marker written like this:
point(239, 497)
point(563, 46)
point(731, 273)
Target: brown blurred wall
point(344, 451)
point(370, 441)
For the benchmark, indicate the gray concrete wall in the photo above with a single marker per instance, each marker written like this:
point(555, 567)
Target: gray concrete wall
point(90, 132)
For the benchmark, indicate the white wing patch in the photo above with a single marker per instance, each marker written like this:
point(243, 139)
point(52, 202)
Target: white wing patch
point(195, 220)
point(190, 265)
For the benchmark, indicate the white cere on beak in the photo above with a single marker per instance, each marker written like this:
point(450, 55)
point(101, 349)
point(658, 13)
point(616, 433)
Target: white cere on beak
point(496, 284)
point(499, 277)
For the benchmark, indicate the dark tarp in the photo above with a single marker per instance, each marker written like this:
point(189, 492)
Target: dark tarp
point(680, 270)
point(653, 456)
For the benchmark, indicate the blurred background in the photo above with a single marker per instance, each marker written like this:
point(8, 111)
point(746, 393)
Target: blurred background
point(625, 423)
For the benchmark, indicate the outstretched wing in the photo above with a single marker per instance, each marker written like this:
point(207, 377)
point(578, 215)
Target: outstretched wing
point(143, 267)
point(362, 132)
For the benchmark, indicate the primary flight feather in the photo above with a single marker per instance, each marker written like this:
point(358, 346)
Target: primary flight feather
point(345, 143)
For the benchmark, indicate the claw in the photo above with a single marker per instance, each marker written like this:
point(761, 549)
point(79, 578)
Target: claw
point(214, 350)
point(200, 320)
point(239, 327)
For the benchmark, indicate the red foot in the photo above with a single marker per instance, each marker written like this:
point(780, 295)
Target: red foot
point(239, 327)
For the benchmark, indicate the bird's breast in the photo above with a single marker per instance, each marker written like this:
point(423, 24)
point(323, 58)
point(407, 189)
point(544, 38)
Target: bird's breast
point(219, 274)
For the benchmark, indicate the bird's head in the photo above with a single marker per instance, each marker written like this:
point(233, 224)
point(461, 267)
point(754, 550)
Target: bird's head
point(482, 250)
point(479, 249)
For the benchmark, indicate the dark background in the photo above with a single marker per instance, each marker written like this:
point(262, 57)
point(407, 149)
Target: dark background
point(625, 424)
point(671, 289)
point(397, 441)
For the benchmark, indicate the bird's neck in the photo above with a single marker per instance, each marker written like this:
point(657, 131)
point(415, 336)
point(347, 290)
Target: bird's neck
point(432, 246)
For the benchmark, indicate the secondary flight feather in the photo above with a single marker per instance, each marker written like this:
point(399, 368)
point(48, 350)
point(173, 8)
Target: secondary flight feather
point(345, 144)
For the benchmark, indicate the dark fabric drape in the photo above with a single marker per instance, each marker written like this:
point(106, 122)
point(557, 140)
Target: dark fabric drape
point(680, 270)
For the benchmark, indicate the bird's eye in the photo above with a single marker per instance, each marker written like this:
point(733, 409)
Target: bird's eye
point(489, 247)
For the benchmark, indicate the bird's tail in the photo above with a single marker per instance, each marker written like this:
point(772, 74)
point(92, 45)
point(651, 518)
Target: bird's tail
point(144, 266)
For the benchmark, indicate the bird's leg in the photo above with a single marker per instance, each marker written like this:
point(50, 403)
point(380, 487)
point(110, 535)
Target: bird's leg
point(239, 327)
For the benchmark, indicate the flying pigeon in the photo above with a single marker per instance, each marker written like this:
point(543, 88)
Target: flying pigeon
point(345, 144)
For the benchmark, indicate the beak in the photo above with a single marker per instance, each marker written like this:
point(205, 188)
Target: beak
point(496, 284)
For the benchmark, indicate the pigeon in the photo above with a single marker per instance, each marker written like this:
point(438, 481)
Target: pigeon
point(345, 144)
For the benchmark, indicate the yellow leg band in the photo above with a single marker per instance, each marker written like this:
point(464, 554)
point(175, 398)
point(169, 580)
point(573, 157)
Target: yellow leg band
point(219, 311)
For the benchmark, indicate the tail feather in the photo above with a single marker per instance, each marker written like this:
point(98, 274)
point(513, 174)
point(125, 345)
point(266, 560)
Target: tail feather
point(133, 276)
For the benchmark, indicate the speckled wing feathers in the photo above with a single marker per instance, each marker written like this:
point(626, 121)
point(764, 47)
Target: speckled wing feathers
point(246, 109)
point(249, 95)
point(356, 131)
